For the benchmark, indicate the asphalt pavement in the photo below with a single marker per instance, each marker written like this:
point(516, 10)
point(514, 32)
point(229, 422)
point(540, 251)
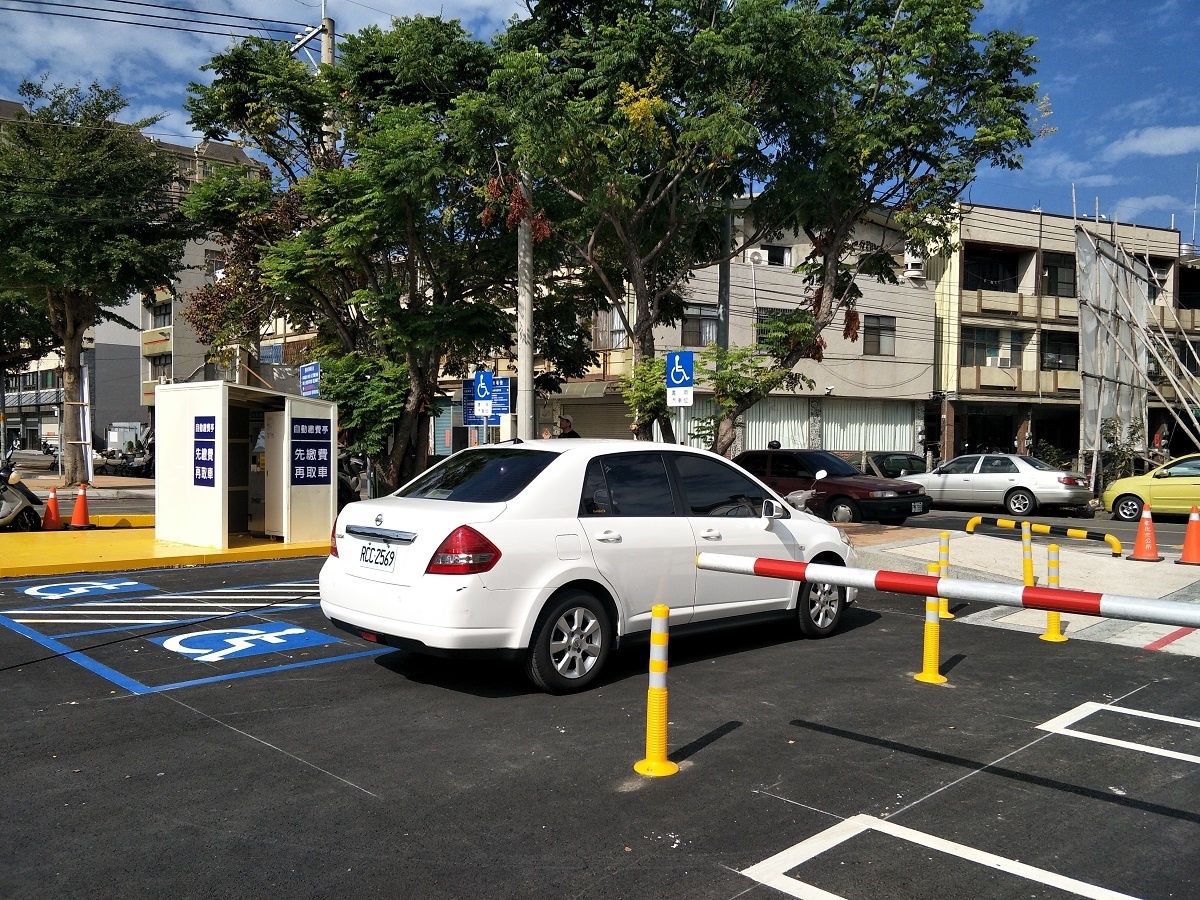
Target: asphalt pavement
point(151, 751)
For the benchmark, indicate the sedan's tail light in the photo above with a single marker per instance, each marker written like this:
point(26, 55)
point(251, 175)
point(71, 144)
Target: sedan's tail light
point(1075, 480)
point(333, 541)
point(464, 552)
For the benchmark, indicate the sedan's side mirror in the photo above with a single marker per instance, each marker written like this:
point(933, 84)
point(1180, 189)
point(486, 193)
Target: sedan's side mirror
point(1162, 473)
point(771, 510)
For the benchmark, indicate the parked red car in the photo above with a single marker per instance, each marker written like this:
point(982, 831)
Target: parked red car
point(844, 494)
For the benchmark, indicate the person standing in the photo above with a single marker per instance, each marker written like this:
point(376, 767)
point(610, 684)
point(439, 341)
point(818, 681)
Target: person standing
point(566, 427)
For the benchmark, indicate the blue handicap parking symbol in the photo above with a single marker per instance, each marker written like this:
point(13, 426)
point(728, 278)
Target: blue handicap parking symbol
point(218, 644)
point(63, 589)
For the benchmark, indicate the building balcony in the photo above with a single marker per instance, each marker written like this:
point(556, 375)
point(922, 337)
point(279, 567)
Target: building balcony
point(157, 341)
point(991, 379)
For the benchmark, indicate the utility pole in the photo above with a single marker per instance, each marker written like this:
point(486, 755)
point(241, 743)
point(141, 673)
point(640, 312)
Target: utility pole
point(526, 414)
point(723, 282)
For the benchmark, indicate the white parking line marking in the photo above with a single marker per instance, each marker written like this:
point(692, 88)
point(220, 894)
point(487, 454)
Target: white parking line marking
point(772, 871)
point(1061, 725)
point(151, 609)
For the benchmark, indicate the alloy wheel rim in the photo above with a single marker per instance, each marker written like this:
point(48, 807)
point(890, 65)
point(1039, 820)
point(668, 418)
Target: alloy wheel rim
point(823, 605)
point(575, 642)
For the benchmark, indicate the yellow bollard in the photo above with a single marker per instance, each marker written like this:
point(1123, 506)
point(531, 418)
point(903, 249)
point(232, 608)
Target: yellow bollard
point(929, 672)
point(944, 572)
point(1027, 553)
point(1053, 618)
point(656, 762)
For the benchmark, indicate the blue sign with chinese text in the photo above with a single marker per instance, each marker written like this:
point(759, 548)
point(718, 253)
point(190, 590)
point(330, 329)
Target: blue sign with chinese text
point(501, 404)
point(312, 451)
point(310, 379)
point(204, 451)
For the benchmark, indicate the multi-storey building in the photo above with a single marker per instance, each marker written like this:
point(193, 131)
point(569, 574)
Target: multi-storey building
point(1008, 358)
point(867, 394)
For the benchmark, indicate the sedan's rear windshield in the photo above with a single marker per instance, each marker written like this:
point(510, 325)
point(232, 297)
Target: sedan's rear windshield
point(480, 476)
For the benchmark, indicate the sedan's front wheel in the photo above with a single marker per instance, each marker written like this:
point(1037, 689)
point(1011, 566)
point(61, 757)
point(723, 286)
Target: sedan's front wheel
point(1128, 508)
point(820, 607)
point(571, 642)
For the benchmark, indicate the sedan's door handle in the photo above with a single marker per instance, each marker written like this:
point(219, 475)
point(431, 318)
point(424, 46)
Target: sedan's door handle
point(609, 536)
point(710, 534)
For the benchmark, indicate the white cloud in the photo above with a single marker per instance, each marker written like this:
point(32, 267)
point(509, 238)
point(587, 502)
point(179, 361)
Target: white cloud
point(1157, 140)
point(1057, 167)
point(1129, 209)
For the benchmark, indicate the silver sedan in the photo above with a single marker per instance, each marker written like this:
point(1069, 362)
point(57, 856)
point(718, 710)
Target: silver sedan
point(1020, 484)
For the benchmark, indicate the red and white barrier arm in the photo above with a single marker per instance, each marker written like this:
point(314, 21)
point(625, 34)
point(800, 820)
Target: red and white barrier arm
point(1062, 600)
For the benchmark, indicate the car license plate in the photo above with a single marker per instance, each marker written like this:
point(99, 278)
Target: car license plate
point(918, 506)
point(380, 557)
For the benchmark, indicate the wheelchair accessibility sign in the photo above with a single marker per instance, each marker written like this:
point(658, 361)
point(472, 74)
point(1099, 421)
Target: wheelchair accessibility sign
point(219, 644)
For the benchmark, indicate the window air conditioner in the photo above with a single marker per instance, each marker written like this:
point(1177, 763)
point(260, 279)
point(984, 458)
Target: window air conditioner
point(914, 265)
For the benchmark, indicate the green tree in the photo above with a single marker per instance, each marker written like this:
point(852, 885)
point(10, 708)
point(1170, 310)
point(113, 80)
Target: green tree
point(647, 120)
point(84, 222)
point(916, 103)
point(391, 252)
point(816, 114)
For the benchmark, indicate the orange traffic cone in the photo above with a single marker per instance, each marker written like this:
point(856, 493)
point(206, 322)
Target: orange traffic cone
point(1145, 547)
point(1191, 541)
point(50, 519)
point(79, 515)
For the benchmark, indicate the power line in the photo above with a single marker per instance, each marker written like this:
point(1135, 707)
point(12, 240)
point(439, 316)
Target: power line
point(227, 33)
point(200, 11)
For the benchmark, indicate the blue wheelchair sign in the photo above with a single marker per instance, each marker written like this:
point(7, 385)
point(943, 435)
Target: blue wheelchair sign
point(218, 644)
point(680, 378)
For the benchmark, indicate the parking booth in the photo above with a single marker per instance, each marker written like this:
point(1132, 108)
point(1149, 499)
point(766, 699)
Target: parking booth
point(235, 460)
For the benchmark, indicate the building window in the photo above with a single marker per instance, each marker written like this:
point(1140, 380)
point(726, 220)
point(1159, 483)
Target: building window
point(608, 331)
point(1060, 350)
point(49, 379)
point(764, 316)
point(989, 270)
point(1160, 279)
point(160, 315)
point(879, 335)
point(776, 255)
point(1058, 274)
point(979, 345)
point(160, 366)
point(214, 264)
point(1016, 348)
point(699, 326)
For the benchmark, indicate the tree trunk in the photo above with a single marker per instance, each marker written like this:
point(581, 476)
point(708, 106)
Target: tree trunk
point(726, 434)
point(75, 444)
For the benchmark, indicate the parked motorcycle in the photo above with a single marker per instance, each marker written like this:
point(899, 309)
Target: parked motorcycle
point(799, 499)
point(351, 472)
point(17, 502)
point(48, 449)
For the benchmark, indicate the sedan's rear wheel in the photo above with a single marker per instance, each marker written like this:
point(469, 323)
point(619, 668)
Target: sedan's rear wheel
point(1020, 503)
point(1128, 508)
point(820, 607)
point(570, 643)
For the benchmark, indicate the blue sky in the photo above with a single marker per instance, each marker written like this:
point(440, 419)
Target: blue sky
point(1120, 76)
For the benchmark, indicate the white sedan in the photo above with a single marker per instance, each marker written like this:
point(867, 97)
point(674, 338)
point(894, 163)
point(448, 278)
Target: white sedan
point(553, 552)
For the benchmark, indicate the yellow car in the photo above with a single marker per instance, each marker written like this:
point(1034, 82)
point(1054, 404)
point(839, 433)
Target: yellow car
point(1171, 488)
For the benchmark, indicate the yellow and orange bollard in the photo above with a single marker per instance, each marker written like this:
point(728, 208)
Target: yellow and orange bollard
point(944, 572)
point(1053, 618)
point(929, 662)
point(656, 762)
